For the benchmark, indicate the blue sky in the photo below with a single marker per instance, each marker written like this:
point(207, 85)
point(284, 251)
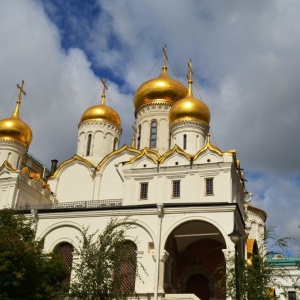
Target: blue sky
point(246, 63)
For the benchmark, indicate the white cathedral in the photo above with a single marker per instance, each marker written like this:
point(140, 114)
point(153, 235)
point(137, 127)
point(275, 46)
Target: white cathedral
point(184, 193)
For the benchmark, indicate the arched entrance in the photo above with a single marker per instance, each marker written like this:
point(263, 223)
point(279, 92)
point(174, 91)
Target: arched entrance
point(195, 253)
point(199, 285)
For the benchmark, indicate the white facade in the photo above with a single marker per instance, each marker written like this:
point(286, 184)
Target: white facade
point(185, 199)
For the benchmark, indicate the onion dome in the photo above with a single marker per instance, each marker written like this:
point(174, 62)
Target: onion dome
point(189, 108)
point(159, 90)
point(101, 112)
point(14, 128)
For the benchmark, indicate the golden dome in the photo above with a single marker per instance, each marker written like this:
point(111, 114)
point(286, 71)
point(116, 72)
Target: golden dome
point(102, 112)
point(161, 89)
point(189, 108)
point(14, 128)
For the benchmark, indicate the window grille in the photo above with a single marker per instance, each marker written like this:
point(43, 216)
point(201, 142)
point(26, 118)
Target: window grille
point(126, 269)
point(176, 188)
point(144, 190)
point(66, 250)
point(209, 186)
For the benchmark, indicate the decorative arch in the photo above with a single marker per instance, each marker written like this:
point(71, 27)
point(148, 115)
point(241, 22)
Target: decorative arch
point(193, 218)
point(60, 225)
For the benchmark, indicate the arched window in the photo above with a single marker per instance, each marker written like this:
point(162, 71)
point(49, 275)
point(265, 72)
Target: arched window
point(184, 141)
point(18, 167)
point(153, 134)
point(139, 137)
point(126, 269)
point(88, 147)
point(66, 250)
point(115, 144)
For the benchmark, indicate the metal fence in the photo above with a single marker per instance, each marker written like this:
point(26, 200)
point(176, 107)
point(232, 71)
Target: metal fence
point(76, 204)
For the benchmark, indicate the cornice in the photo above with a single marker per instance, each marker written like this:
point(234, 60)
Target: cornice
point(100, 123)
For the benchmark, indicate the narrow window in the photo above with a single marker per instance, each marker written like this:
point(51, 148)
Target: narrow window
point(18, 163)
point(115, 144)
point(176, 188)
point(153, 134)
point(139, 137)
point(209, 186)
point(144, 190)
point(66, 250)
point(88, 147)
point(184, 142)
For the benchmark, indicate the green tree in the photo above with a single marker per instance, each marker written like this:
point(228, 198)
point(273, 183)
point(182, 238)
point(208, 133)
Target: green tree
point(258, 277)
point(26, 272)
point(107, 264)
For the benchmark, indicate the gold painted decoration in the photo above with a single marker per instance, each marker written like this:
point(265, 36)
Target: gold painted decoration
point(143, 153)
point(6, 165)
point(209, 146)
point(170, 152)
point(115, 153)
point(35, 176)
point(14, 128)
point(70, 161)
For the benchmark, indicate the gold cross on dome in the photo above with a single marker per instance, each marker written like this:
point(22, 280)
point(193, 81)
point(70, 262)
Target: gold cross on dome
point(21, 91)
point(104, 90)
point(190, 71)
point(104, 85)
point(165, 55)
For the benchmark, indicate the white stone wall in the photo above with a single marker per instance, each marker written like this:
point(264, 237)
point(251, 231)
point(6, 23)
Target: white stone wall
point(195, 133)
point(12, 152)
point(105, 137)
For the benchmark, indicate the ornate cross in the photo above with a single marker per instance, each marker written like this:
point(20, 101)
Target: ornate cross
point(190, 71)
point(21, 91)
point(165, 55)
point(104, 90)
point(104, 85)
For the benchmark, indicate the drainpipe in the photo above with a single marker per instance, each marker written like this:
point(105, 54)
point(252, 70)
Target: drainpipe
point(160, 212)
